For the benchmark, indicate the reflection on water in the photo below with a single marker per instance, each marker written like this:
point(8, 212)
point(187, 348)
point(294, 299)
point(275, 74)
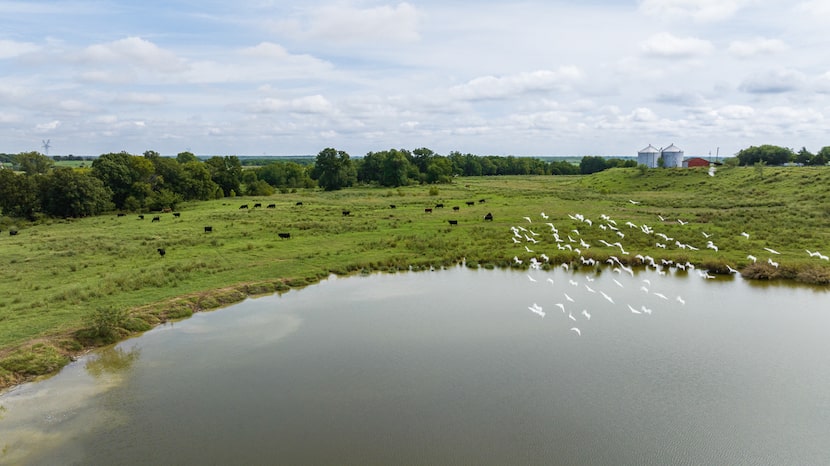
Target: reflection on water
point(454, 367)
point(112, 360)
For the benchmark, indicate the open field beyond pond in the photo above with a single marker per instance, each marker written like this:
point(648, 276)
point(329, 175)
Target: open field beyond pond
point(57, 273)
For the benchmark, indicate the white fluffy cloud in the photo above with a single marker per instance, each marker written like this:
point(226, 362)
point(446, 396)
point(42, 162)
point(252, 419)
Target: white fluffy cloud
point(9, 49)
point(136, 52)
point(701, 10)
point(344, 23)
point(666, 45)
point(756, 46)
point(492, 87)
point(773, 82)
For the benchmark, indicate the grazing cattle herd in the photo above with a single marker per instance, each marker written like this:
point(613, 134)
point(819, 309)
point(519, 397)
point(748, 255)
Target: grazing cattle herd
point(286, 235)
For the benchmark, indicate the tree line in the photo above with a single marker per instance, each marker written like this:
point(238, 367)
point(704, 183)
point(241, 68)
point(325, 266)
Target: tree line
point(150, 182)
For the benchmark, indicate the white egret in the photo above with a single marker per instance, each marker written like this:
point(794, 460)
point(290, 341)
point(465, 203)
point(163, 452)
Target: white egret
point(545, 257)
point(531, 279)
point(517, 260)
point(745, 234)
point(635, 311)
point(705, 235)
point(682, 222)
point(560, 306)
point(571, 316)
point(515, 240)
point(550, 280)
point(528, 249)
point(644, 289)
point(617, 282)
point(576, 330)
point(544, 216)
point(730, 269)
point(538, 311)
point(606, 296)
point(681, 300)
point(528, 219)
point(633, 202)
point(772, 263)
point(586, 314)
point(771, 251)
point(660, 295)
point(752, 258)
point(646, 310)
point(590, 290)
point(573, 282)
point(568, 297)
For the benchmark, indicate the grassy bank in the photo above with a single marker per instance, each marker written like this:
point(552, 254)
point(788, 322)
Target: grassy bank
point(59, 273)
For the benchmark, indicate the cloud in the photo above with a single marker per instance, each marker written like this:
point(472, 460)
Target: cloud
point(139, 98)
point(313, 104)
point(491, 87)
point(42, 127)
point(11, 49)
point(699, 10)
point(773, 82)
point(666, 45)
point(757, 46)
point(342, 23)
point(136, 52)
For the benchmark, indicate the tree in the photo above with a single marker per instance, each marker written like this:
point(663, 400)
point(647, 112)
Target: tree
point(333, 170)
point(769, 154)
point(822, 157)
point(197, 183)
point(591, 164)
point(19, 194)
point(439, 170)
point(186, 157)
point(803, 157)
point(33, 163)
point(73, 193)
point(226, 172)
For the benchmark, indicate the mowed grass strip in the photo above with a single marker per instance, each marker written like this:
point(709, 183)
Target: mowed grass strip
point(56, 272)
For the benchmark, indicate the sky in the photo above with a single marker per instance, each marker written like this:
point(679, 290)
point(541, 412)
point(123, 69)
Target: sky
point(487, 77)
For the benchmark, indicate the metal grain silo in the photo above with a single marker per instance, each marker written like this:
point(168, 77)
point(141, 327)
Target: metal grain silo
point(648, 156)
point(672, 157)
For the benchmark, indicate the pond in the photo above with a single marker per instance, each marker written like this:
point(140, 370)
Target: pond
point(454, 366)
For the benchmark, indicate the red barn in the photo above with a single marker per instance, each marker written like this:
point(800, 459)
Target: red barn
point(695, 162)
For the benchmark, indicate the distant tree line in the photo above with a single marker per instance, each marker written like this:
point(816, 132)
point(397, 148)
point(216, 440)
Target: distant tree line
point(150, 182)
point(774, 155)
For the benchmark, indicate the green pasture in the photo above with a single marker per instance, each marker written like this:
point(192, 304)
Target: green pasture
point(56, 273)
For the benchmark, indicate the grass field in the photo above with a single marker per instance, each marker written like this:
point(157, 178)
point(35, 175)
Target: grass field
point(58, 273)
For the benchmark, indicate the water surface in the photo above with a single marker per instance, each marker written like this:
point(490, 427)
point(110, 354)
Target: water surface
point(453, 367)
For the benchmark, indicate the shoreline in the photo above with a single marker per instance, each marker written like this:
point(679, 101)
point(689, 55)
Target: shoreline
point(183, 307)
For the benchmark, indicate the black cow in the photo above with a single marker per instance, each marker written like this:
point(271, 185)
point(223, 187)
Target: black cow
point(439, 206)
point(481, 201)
point(177, 214)
point(471, 202)
point(392, 206)
point(141, 216)
point(12, 232)
point(428, 211)
point(243, 206)
point(161, 251)
point(156, 219)
point(258, 204)
point(455, 207)
point(271, 206)
point(453, 222)
point(489, 216)
point(299, 203)
point(284, 235)
point(208, 229)
point(346, 213)
point(121, 214)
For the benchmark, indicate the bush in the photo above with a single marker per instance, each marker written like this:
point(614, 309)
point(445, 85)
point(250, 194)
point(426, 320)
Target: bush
point(107, 324)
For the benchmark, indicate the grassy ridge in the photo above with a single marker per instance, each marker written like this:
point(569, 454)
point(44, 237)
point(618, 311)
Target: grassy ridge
point(56, 273)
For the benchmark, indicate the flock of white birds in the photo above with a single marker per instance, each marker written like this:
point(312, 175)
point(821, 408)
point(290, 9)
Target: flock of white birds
point(573, 242)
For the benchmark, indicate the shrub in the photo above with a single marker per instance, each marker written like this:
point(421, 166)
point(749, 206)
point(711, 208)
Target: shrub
point(107, 324)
